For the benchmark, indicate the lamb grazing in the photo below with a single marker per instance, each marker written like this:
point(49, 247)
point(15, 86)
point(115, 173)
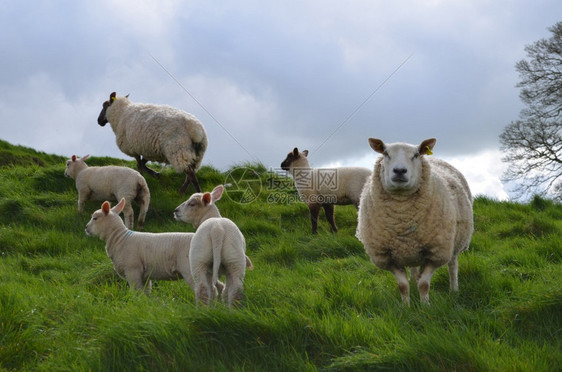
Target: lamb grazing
point(218, 247)
point(415, 212)
point(324, 187)
point(110, 183)
point(141, 257)
point(157, 133)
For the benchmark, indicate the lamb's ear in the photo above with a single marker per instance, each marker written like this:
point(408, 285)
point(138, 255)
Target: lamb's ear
point(206, 199)
point(426, 147)
point(377, 145)
point(127, 96)
point(119, 207)
point(112, 97)
point(105, 207)
point(216, 194)
point(305, 152)
point(73, 157)
point(295, 152)
point(85, 157)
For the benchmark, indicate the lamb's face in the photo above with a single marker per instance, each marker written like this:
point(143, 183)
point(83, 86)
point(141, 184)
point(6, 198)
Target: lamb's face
point(401, 164)
point(190, 210)
point(105, 219)
point(95, 226)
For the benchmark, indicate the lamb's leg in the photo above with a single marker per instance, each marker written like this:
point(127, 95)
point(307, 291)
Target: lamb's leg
point(234, 293)
point(453, 274)
point(424, 282)
point(129, 215)
point(314, 211)
point(134, 278)
point(141, 166)
point(403, 285)
point(329, 210)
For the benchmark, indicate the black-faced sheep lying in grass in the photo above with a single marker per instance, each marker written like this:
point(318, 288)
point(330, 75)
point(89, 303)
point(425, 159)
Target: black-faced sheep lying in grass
point(324, 187)
point(110, 183)
point(218, 247)
point(160, 133)
point(414, 212)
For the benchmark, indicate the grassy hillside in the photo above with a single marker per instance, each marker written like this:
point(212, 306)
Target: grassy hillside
point(312, 302)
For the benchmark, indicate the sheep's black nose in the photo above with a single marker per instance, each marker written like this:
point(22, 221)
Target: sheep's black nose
point(400, 171)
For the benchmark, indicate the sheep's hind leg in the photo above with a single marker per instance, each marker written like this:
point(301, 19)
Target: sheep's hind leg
point(454, 274)
point(190, 177)
point(141, 166)
point(329, 210)
point(403, 285)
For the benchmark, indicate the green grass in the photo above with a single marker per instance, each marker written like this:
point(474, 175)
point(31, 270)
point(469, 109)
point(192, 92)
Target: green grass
point(312, 302)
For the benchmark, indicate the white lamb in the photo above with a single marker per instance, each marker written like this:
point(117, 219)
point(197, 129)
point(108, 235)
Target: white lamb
point(218, 247)
point(157, 133)
point(324, 187)
point(415, 212)
point(141, 257)
point(110, 183)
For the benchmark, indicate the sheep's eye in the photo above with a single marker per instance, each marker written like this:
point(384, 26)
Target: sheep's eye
point(94, 218)
point(385, 153)
point(416, 155)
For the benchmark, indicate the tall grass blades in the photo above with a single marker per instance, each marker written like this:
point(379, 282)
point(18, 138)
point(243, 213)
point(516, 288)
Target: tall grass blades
point(311, 302)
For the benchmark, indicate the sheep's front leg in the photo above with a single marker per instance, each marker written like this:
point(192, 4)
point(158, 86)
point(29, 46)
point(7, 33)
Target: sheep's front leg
point(314, 212)
point(329, 210)
point(424, 282)
point(141, 166)
point(403, 285)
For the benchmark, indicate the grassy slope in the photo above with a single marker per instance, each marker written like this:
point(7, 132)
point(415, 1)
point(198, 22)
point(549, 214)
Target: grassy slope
point(313, 302)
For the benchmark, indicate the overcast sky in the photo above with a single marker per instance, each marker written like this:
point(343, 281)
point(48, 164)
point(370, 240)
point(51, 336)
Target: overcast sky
point(265, 77)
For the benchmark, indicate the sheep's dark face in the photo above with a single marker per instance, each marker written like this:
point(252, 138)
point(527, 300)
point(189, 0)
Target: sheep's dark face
point(401, 164)
point(102, 120)
point(292, 158)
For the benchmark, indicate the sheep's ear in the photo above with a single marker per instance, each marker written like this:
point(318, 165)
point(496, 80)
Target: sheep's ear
point(206, 198)
point(216, 194)
point(73, 157)
point(112, 97)
point(85, 157)
point(305, 152)
point(426, 147)
point(377, 145)
point(105, 207)
point(295, 152)
point(127, 96)
point(119, 207)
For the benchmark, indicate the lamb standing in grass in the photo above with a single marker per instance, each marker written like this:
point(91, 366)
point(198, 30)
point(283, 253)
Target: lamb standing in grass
point(157, 133)
point(415, 211)
point(141, 257)
point(110, 183)
point(218, 244)
point(324, 187)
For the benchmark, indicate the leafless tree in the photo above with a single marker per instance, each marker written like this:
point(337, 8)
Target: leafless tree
point(533, 144)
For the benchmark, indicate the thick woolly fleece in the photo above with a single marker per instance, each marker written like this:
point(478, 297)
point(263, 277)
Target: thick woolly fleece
point(158, 132)
point(433, 224)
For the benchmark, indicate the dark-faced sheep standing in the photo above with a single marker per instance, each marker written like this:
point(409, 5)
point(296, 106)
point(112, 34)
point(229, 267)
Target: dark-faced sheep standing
point(159, 133)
